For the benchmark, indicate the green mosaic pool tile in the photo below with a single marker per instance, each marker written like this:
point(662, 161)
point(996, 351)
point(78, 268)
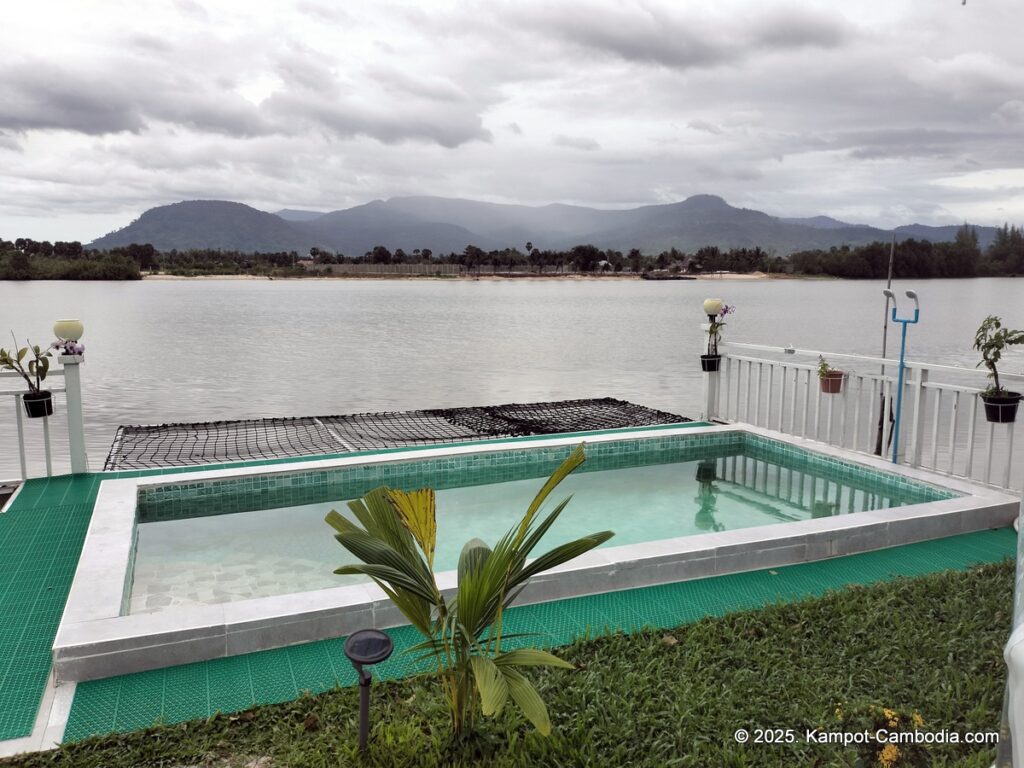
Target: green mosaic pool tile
point(272, 679)
point(183, 500)
point(312, 668)
point(95, 708)
point(175, 501)
point(186, 691)
point(230, 684)
point(141, 704)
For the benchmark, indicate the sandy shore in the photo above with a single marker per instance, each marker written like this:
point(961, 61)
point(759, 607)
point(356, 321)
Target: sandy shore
point(715, 276)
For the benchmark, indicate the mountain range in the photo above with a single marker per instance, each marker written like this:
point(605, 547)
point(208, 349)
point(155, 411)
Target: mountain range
point(446, 224)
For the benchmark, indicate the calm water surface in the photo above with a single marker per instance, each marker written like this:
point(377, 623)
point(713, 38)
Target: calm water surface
point(168, 351)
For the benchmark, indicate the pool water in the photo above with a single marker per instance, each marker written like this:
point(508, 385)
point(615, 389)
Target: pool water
point(234, 556)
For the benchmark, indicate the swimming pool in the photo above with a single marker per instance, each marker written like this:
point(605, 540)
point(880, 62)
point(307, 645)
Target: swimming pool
point(181, 567)
point(194, 550)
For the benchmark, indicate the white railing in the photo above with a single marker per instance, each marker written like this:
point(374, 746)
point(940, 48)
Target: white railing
point(942, 425)
point(12, 386)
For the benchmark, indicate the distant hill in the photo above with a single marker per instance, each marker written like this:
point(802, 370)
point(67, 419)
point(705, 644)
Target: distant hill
point(449, 224)
point(355, 231)
point(291, 214)
point(208, 224)
point(818, 222)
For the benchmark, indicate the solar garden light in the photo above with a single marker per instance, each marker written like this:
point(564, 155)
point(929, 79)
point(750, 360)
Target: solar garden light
point(903, 351)
point(366, 647)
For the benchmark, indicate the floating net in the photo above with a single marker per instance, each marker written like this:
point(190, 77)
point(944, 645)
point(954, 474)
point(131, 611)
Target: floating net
point(217, 442)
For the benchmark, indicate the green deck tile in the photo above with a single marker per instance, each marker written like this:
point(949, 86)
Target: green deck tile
point(141, 704)
point(230, 684)
point(541, 625)
point(41, 538)
point(312, 667)
point(95, 706)
point(272, 678)
point(186, 693)
point(660, 607)
point(404, 662)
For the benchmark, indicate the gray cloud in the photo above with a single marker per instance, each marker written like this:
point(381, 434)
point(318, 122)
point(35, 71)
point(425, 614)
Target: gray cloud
point(864, 113)
point(704, 125)
point(576, 142)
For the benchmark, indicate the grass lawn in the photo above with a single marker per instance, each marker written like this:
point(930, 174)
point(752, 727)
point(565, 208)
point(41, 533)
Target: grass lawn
point(930, 646)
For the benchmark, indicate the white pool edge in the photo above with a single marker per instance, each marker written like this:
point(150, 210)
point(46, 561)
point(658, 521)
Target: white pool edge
point(95, 641)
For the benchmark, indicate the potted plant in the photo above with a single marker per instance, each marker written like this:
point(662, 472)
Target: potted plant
point(991, 339)
point(38, 401)
point(711, 361)
point(831, 379)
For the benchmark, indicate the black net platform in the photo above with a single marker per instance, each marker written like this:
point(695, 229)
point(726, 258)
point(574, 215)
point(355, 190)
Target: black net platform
point(217, 442)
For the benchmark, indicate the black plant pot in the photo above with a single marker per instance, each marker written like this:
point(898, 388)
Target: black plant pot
point(1002, 409)
point(710, 363)
point(38, 404)
point(706, 472)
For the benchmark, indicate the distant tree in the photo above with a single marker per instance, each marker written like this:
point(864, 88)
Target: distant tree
point(585, 257)
point(19, 268)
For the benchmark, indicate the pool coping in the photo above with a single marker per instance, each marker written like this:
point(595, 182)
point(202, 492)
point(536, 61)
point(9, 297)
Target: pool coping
point(95, 640)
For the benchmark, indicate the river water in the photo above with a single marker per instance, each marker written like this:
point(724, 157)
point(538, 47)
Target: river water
point(161, 351)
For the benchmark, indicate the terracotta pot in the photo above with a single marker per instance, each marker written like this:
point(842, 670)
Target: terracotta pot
point(832, 382)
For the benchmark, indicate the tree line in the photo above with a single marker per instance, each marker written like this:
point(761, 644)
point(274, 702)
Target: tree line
point(25, 259)
point(921, 258)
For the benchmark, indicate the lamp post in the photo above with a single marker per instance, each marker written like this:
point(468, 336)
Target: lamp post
point(710, 361)
point(364, 648)
point(905, 321)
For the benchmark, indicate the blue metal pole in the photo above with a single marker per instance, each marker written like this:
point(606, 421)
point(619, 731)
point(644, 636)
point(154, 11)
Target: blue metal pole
point(899, 389)
point(899, 380)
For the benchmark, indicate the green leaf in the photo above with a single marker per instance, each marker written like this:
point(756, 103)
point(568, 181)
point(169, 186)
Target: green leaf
point(340, 523)
point(561, 554)
point(490, 683)
point(526, 696)
point(390, 574)
point(531, 657)
point(574, 459)
point(416, 510)
point(473, 556)
point(21, 353)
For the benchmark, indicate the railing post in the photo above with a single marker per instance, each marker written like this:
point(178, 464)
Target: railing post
point(710, 402)
point(76, 425)
point(917, 425)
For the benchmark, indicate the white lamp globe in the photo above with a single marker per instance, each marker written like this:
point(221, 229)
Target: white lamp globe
point(68, 330)
point(713, 306)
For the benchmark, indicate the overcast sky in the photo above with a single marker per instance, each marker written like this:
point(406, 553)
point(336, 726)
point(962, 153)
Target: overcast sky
point(884, 112)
